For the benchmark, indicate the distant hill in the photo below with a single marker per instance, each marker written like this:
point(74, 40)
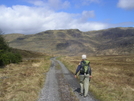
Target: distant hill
point(113, 41)
point(11, 37)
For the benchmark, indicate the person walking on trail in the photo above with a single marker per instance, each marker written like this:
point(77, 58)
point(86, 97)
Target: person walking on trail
point(84, 75)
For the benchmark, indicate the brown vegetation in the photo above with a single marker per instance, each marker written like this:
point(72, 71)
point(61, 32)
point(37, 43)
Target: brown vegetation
point(23, 81)
point(114, 41)
point(112, 76)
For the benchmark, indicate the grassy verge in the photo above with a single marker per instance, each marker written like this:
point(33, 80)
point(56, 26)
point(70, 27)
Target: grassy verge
point(113, 76)
point(23, 81)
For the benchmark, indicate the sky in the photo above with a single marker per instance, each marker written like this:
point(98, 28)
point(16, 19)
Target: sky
point(33, 16)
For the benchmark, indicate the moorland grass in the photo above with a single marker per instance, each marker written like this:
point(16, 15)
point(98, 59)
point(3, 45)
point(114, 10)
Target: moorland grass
point(23, 81)
point(112, 76)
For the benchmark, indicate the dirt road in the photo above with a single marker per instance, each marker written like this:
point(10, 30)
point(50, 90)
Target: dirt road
point(60, 85)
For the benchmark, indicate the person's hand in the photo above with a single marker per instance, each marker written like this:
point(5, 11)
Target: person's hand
point(75, 76)
point(90, 76)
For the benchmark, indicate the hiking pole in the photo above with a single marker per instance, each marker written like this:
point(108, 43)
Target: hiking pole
point(90, 78)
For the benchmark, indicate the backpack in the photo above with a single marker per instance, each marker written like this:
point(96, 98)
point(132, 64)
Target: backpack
point(84, 67)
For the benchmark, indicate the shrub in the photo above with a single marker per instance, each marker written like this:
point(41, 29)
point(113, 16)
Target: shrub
point(6, 55)
point(3, 44)
point(9, 57)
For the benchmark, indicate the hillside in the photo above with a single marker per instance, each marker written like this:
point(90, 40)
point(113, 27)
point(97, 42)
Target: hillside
point(113, 41)
point(11, 37)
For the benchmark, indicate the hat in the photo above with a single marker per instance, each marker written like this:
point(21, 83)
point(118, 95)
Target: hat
point(84, 56)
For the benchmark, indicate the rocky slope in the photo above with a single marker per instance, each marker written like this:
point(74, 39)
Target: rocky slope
point(113, 41)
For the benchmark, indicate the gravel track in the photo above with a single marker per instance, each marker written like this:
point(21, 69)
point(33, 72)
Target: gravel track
point(60, 85)
point(50, 90)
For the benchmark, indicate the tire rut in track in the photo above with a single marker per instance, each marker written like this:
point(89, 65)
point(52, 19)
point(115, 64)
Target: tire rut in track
point(65, 91)
point(56, 87)
point(50, 90)
point(60, 85)
point(74, 84)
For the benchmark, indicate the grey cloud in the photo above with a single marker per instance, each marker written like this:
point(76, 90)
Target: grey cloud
point(37, 2)
point(123, 24)
point(88, 2)
point(88, 14)
point(51, 4)
point(126, 4)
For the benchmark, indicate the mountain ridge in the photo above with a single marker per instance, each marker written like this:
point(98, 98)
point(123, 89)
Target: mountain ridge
point(112, 41)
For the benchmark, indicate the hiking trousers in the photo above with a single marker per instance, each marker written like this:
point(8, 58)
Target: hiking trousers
point(84, 84)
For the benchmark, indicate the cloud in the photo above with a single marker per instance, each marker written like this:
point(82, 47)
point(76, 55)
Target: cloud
point(51, 4)
point(56, 4)
point(31, 20)
point(88, 2)
point(123, 24)
point(126, 4)
point(90, 26)
point(37, 2)
point(83, 3)
point(86, 15)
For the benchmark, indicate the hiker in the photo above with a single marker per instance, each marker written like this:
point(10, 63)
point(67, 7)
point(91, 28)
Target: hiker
point(84, 75)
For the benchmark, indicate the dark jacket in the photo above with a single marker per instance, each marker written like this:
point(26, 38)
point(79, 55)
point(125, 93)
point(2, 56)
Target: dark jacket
point(79, 67)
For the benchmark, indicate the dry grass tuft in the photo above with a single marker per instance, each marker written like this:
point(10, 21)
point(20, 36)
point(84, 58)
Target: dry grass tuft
point(22, 82)
point(113, 76)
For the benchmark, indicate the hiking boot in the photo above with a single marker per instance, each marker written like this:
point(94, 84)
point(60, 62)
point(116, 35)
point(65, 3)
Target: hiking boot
point(85, 96)
point(81, 94)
